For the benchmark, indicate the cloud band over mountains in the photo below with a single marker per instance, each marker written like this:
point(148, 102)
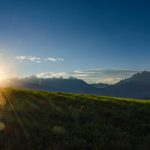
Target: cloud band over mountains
point(110, 76)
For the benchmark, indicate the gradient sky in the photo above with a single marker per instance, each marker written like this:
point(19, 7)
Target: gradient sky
point(39, 36)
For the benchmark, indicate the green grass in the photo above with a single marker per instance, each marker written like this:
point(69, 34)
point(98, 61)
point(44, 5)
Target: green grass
point(37, 120)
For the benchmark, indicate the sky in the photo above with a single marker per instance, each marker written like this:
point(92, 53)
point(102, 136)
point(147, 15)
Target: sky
point(62, 37)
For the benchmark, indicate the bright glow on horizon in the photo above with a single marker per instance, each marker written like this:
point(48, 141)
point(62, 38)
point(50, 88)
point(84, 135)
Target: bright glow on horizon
point(6, 72)
point(3, 75)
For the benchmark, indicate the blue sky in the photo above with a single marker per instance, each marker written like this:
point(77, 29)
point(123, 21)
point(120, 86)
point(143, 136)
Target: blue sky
point(39, 36)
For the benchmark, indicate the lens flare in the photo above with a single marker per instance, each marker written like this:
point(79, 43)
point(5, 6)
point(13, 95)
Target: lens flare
point(2, 126)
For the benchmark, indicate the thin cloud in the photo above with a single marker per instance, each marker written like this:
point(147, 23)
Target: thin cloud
point(52, 75)
point(37, 59)
point(21, 58)
point(110, 76)
point(28, 58)
point(34, 59)
point(54, 59)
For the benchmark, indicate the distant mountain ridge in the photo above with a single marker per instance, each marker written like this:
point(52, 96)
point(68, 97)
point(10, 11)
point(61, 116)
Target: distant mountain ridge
point(137, 86)
point(100, 85)
point(72, 85)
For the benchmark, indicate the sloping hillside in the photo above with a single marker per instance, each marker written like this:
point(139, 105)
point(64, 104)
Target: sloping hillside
point(43, 120)
point(138, 86)
point(73, 85)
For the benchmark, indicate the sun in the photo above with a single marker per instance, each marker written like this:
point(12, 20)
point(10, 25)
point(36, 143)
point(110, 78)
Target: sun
point(3, 75)
point(3, 78)
point(7, 72)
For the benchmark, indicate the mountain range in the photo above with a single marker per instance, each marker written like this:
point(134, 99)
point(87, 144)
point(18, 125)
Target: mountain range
point(137, 86)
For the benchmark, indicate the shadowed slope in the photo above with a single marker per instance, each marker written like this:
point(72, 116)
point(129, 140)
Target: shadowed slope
point(42, 120)
point(138, 86)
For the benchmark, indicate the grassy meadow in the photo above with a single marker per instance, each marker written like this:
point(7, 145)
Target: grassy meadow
point(36, 120)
